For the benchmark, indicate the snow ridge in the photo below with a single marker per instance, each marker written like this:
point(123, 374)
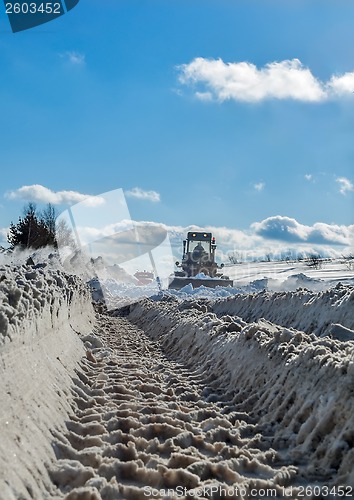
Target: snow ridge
point(41, 311)
point(304, 310)
point(296, 387)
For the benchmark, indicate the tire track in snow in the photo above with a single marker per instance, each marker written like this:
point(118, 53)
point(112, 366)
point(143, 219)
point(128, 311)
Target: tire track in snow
point(145, 423)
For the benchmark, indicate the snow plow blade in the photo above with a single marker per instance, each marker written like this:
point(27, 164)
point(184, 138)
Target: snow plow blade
point(177, 283)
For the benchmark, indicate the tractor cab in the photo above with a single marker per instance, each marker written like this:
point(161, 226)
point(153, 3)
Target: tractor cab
point(198, 255)
point(199, 248)
point(198, 266)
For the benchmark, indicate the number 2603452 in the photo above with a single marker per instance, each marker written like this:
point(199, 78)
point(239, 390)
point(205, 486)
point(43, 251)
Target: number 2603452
point(33, 8)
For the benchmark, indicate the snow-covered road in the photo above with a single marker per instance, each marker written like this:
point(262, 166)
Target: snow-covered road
point(182, 397)
point(145, 425)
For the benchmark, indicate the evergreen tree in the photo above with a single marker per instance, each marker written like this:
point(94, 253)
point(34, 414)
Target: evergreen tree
point(32, 231)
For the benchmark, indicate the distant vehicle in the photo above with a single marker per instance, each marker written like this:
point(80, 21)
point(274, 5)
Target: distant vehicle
point(198, 265)
point(144, 277)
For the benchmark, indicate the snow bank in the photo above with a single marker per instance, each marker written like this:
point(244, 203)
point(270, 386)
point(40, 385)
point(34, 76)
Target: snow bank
point(304, 310)
point(117, 294)
point(291, 283)
point(41, 312)
point(275, 283)
point(298, 387)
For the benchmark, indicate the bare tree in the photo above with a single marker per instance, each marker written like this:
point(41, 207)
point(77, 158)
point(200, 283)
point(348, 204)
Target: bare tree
point(48, 217)
point(315, 261)
point(235, 258)
point(349, 262)
point(64, 235)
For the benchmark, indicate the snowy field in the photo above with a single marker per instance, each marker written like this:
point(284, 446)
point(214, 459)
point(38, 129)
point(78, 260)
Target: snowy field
point(280, 276)
point(329, 273)
point(240, 392)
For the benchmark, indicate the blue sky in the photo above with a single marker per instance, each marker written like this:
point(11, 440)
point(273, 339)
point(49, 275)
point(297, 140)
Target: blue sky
point(214, 113)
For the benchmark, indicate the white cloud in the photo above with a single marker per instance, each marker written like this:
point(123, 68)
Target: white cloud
point(309, 177)
point(88, 234)
point(228, 236)
point(259, 186)
point(41, 194)
point(263, 235)
point(342, 85)
point(288, 230)
point(326, 239)
point(143, 195)
point(204, 96)
point(274, 235)
point(243, 81)
point(345, 185)
point(74, 58)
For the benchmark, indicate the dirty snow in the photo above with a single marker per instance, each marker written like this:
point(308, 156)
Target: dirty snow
point(41, 312)
point(294, 390)
point(190, 394)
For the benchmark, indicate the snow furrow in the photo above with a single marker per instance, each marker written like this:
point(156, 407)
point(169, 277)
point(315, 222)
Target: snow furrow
point(296, 388)
point(178, 399)
point(146, 425)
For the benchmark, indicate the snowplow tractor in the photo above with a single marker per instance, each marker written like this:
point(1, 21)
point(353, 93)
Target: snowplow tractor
point(198, 266)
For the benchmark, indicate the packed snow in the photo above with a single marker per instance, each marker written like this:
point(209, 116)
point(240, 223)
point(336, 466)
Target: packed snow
point(204, 393)
point(295, 388)
point(41, 312)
